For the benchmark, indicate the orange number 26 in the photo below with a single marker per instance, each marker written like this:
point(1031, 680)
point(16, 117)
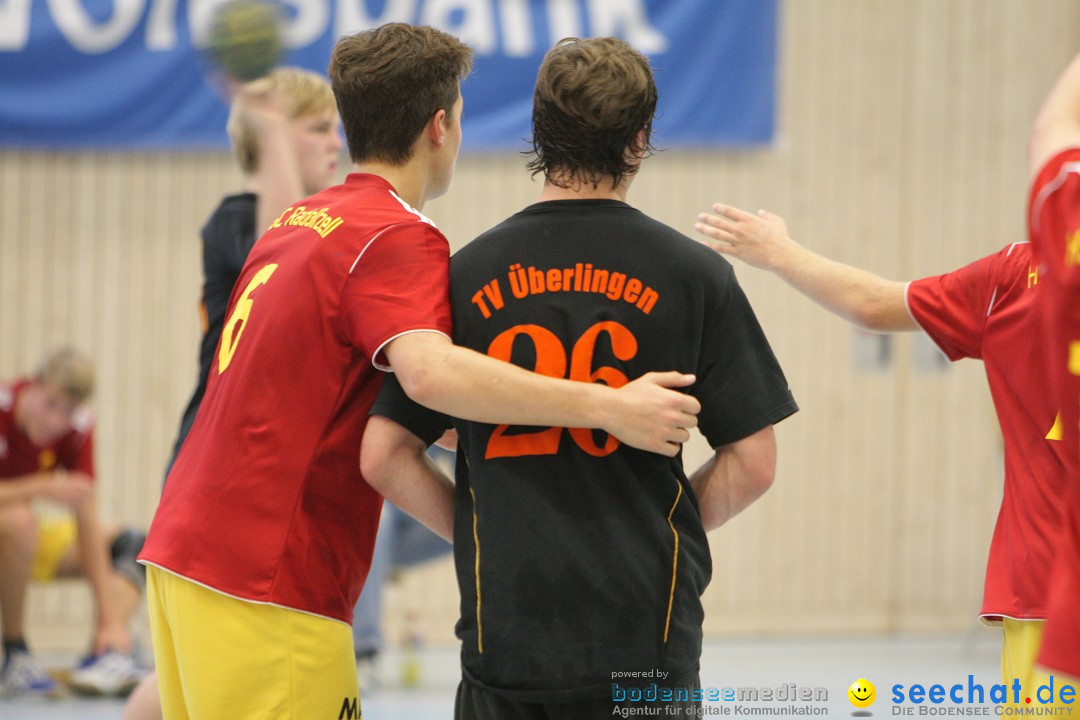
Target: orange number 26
point(551, 360)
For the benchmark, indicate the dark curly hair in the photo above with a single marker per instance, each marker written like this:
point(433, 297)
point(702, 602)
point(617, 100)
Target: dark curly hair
point(592, 98)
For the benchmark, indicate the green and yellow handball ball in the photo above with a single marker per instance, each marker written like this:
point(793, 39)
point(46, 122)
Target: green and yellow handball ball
point(245, 38)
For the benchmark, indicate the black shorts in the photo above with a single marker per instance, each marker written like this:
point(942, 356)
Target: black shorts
point(475, 703)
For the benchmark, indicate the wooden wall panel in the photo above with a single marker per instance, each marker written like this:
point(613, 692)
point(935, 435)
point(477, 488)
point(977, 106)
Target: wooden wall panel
point(900, 148)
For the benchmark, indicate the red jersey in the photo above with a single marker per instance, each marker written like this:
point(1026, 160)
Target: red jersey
point(1054, 228)
point(266, 501)
point(19, 456)
point(986, 310)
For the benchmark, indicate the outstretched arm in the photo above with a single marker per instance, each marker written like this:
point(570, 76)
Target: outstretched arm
point(1057, 126)
point(762, 240)
point(456, 381)
point(735, 476)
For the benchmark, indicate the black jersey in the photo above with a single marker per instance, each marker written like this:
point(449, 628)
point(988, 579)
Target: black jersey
point(227, 237)
point(577, 556)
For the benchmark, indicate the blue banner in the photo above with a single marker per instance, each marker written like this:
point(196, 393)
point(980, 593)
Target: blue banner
point(102, 74)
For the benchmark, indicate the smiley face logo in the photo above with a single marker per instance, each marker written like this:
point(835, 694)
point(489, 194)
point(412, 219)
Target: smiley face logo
point(862, 693)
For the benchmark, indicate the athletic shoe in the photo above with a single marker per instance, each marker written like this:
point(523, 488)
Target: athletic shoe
point(22, 675)
point(111, 673)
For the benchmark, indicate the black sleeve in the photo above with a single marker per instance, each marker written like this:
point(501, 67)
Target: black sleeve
point(393, 403)
point(241, 239)
point(228, 237)
point(740, 384)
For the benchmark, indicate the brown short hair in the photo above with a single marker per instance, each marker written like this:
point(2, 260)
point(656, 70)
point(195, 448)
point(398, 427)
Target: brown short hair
point(592, 97)
point(303, 92)
point(390, 81)
point(70, 372)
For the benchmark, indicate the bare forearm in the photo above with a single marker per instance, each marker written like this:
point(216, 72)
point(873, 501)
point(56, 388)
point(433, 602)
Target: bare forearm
point(93, 558)
point(646, 413)
point(22, 488)
point(393, 462)
point(762, 240)
point(475, 387)
point(428, 497)
point(277, 179)
point(734, 477)
point(858, 296)
point(720, 494)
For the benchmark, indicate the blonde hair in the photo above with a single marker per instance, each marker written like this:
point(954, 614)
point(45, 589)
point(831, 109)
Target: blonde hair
point(70, 372)
point(303, 92)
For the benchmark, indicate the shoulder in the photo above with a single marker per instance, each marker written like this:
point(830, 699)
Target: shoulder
point(234, 211)
point(1010, 262)
point(1057, 171)
point(370, 206)
point(1017, 254)
point(231, 206)
point(683, 254)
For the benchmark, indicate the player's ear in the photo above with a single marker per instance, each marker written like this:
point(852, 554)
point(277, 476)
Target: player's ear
point(437, 126)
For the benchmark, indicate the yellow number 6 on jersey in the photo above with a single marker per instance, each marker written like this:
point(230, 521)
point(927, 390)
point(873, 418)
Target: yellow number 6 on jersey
point(230, 336)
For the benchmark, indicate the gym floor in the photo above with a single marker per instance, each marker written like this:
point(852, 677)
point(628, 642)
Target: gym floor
point(821, 665)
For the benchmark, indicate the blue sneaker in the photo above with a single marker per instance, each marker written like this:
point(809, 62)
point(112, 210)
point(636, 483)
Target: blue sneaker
point(22, 675)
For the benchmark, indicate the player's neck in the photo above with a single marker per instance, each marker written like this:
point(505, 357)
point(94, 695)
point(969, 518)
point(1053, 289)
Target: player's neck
point(410, 181)
point(585, 191)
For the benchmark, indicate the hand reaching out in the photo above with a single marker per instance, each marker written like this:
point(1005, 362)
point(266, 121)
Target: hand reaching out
point(760, 240)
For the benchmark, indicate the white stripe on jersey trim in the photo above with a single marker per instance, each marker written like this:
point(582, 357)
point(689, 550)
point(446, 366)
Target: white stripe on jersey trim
point(986, 619)
point(1050, 188)
point(413, 210)
point(387, 368)
point(237, 597)
point(1013, 246)
point(907, 306)
point(373, 239)
point(993, 299)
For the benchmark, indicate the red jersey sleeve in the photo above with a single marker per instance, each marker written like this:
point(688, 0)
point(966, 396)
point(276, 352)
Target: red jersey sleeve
point(400, 283)
point(952, 308)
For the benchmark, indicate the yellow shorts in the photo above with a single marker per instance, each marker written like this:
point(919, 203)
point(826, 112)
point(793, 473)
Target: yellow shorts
point(1019, 646)
point(1019, 649)
point(220, 657)
point(55, 537)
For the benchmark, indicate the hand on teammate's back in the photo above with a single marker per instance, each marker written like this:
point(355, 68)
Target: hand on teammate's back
point(649, 399)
